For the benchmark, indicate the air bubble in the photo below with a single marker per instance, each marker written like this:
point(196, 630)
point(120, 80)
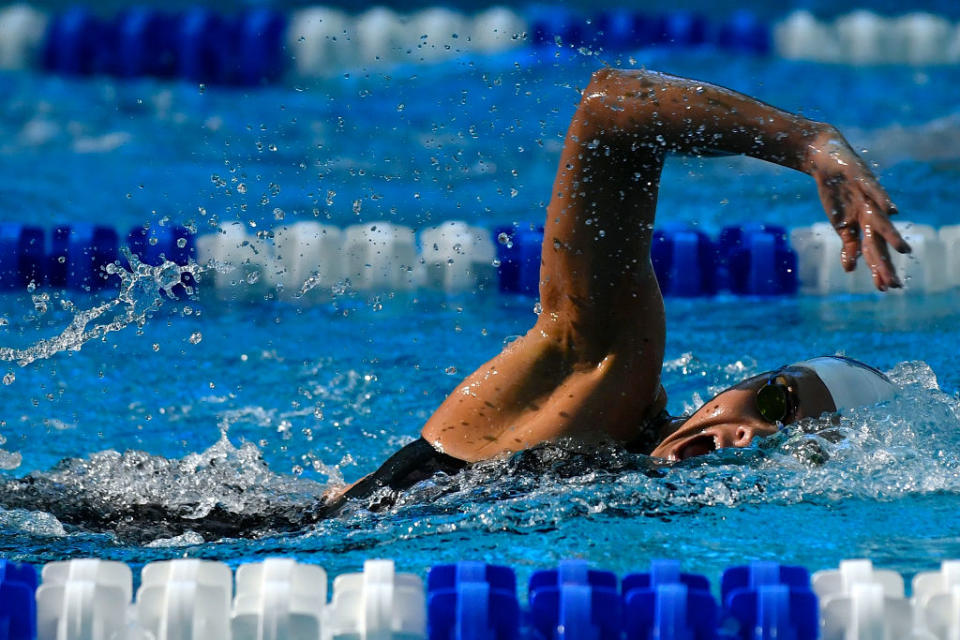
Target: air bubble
point(196, 337)
point(9, 378)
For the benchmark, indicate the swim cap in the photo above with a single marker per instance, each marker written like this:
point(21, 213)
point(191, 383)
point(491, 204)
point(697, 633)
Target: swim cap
point(851, 383)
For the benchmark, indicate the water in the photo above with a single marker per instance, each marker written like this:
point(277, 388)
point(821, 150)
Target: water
point(226, 412)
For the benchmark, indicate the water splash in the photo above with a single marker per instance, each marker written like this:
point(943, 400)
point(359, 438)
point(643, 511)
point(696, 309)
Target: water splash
point(905, 447)
point(141, 293)
point(225, 491)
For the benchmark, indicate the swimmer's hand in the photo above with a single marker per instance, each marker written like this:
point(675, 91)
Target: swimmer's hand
point(858, 207)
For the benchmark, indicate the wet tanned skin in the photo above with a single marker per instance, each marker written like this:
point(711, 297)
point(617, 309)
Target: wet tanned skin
point(590, 366)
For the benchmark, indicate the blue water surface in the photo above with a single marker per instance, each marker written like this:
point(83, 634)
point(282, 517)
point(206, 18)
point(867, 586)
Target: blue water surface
point(193, 404)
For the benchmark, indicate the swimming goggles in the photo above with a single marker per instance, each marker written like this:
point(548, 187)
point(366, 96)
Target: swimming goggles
point(777, 399)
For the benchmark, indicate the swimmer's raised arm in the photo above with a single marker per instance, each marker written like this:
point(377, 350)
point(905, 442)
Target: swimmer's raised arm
point(590, 366)
point(659, 111)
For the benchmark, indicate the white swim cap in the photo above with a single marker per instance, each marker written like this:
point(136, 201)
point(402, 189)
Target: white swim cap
point(851, 383)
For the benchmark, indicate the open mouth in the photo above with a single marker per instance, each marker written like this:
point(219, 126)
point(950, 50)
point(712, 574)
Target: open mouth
point(697, 446)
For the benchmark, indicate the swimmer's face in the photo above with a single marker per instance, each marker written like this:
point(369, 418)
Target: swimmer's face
point(732, 419)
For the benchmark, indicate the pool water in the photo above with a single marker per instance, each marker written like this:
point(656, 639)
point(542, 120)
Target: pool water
point(200, 407)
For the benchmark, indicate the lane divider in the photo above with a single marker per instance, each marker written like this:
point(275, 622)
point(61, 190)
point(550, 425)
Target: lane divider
point(76, 256)
point(864, 37)
point(282, 599)
point(261, 45)
point(308, 261)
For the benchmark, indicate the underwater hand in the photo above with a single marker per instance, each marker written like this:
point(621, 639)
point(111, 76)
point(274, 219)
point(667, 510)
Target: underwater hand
point(858, 207)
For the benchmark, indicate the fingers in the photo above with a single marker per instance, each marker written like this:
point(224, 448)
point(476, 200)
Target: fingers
point(850, 236)
point(884, 227)
point(877, 256)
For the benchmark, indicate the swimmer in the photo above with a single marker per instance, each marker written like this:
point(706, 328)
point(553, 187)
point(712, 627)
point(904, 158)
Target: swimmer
point(589, 369)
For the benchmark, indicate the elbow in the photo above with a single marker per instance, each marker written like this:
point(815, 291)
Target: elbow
point(602, 84)
point(597, 100)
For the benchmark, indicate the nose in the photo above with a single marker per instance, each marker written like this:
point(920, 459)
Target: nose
point(733, 435)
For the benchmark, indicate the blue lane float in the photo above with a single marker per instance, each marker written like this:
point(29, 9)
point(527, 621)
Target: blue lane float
point(776, 598)
point(143, 44)
point(18, 607)
point(664, 572)
point(202, 46)
point(78, 255)
point(743, 31)
point(683, 29)
point(22, 256)
point(621, 29)
point(625, 29)
point(259, 37)
point(74, 43)
point(197, 45)
point(574, 602)
point(755, 259)
point(518, 258)
point(670, 612)
point(472, 601)
point(152, 245)
point(685, 261)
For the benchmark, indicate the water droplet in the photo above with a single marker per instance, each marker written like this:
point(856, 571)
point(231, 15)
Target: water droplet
point(278, 214)
point(9, 378)
point(156, 346)
point(252, 277)
point(241, 188)
point(181, 243)
point(450, 370)
point(169, 276)
point(538, 308)
point(196, 337)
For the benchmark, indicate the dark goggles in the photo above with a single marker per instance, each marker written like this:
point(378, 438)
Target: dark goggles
point(777, 399)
